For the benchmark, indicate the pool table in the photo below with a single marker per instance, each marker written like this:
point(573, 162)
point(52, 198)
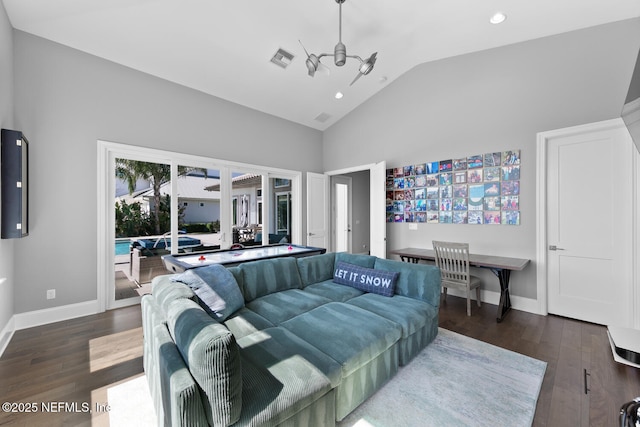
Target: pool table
point(229, 257)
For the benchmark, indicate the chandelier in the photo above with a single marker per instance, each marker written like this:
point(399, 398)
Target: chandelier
point(339, 55)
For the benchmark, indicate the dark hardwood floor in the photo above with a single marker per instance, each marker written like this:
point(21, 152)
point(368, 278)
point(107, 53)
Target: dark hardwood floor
point(77, 360)
point(574, 351)
point(72, 362)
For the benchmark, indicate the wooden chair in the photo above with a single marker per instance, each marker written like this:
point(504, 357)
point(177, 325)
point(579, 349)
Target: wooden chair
point(453, 261)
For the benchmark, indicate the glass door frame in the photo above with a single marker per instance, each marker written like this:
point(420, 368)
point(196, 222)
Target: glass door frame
point(288, 212)
point(109, 151)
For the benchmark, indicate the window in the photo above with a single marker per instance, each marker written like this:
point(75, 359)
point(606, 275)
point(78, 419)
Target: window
point(233, 202)
point(283, 213)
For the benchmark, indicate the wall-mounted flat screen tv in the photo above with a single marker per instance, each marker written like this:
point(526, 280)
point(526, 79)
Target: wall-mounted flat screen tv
point(14, 165)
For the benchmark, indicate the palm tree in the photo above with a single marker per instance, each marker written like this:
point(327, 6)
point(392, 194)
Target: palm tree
point(157, 174)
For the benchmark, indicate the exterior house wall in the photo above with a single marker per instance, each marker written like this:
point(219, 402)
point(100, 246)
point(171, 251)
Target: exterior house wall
point(201, 211)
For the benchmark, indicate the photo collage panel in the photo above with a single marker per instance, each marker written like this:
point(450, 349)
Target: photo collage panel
point(480, 189)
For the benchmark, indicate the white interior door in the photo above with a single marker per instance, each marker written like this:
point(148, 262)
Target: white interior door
point(589, 224)
point(378, 207)
point(317, 210)
point(341, 196)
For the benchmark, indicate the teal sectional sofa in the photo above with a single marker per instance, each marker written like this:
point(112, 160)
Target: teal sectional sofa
point(297, 349)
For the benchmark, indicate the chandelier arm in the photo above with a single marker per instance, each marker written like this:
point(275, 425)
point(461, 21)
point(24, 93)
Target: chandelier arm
point(322, 55)
point(348, 56)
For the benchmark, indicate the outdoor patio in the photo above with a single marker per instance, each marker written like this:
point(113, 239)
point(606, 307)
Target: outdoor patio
point(125, 284)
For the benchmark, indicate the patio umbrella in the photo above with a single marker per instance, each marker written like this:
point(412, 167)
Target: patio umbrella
point(244, 213)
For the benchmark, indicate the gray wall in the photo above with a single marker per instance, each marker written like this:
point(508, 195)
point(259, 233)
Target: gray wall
point(6, 122)
point(634, 87)
point(65, 101)
point(494, 100)
point(489, 101)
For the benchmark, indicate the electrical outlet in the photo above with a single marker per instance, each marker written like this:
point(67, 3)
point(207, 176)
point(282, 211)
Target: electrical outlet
point(413, 226)
point(51, 293)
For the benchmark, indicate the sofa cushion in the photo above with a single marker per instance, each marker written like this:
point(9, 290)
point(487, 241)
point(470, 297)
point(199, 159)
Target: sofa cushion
point(237, 273)
point(316, 268)
point(267, 276)
point(159, 281)
point(366, 279)
point(278, 345)
point(350, 335)
point(165, 292)
point(211, 353)
point(419, 281)
point(411, 314)
point(281, 306)
point(333, 291)
point(282, 375)
point(245, 322)
point(367, 261)
point(216, 288)
point(177, 386)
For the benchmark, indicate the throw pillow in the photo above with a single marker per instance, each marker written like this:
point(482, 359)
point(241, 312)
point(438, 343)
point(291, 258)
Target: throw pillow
point(366, 279)
point(216, 288)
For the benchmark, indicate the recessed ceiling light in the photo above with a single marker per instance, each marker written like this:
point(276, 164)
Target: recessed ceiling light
point(339, 95)
point(498, 18)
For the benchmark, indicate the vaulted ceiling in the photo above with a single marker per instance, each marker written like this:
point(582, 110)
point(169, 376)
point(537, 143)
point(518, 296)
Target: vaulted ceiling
point(225, 48)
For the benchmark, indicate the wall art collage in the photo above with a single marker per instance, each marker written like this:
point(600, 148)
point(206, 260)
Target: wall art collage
point(480, 189)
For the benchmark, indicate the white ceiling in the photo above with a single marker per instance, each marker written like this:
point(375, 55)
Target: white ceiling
point(224, 48)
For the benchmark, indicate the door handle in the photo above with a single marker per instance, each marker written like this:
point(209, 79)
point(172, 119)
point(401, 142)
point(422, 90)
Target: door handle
point(312, 234)
point(555, 248)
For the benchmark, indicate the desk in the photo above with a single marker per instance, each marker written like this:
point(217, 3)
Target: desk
point(499, 265)
point(230, 257)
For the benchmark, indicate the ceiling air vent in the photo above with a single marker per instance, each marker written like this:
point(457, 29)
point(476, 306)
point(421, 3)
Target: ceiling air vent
point(282, 58)
point(323, 117)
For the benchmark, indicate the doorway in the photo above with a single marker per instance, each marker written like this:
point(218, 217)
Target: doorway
point(341, 200)
point(586, 215)
point(369, 227)
point(367, 234)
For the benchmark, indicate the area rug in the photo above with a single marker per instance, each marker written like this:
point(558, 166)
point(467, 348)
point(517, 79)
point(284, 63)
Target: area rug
point(456, 381)
point(130, 404)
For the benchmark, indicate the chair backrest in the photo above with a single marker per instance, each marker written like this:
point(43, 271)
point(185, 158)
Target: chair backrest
point(453, 261)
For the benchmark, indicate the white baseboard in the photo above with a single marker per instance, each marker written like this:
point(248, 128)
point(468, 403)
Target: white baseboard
point(71, 311)
point(6, 334)
point(55, 314)
point(491, 297)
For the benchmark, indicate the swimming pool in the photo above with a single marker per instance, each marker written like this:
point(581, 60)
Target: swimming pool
point(122, 247)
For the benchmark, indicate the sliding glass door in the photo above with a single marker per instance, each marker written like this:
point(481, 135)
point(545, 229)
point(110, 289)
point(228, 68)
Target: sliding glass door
point(152, 203)
point(246, 227)
point(142, 215)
